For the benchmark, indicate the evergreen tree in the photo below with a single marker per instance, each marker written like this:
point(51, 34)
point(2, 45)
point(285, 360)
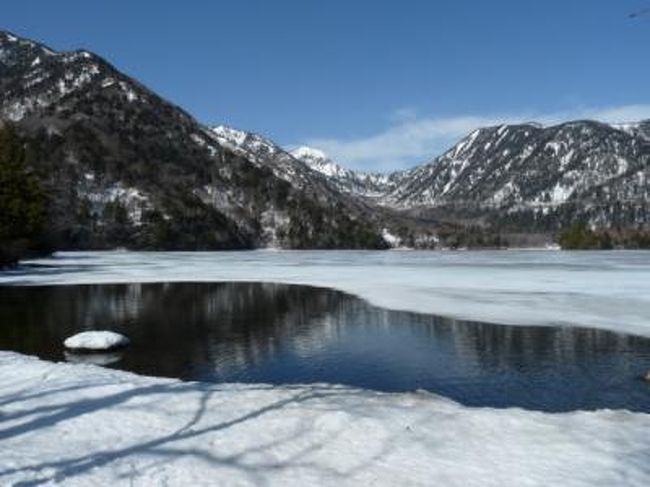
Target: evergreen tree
point(22, 201)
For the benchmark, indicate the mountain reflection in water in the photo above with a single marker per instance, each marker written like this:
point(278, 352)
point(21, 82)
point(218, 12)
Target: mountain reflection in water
point(259, 332)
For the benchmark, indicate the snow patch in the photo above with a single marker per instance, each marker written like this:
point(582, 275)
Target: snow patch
point(130, 94)
point(390, 239)
point(106, 82)
point(560, 193)
point(134, 200)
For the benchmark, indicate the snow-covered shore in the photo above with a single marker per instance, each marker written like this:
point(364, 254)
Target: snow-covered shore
point(84, 425)
point(609, 290)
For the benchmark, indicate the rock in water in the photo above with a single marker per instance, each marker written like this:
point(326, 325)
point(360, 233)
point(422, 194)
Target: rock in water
point(646, 377)
point(96, 340)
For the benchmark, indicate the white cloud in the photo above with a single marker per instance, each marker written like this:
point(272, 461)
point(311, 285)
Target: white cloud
point(412, 140)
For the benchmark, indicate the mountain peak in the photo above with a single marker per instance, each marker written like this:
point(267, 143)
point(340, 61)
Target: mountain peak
point(6, 36)
point(36, 77)
point(319, 161)
point(305, 153)
point(9, 40)
point(372, 185)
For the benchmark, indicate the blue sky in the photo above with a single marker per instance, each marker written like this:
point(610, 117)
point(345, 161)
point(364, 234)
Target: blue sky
point(376, 84)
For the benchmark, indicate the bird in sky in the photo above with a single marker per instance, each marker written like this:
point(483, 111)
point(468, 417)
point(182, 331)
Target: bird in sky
point(639, 13)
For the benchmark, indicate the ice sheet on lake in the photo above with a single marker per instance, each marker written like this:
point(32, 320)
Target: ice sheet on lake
point(594, 289)
point(84, 425)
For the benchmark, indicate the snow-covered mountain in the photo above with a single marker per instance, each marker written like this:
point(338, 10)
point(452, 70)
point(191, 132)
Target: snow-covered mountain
point(300, 165)
point(124, 167)
point(524, 176)
point(578, 170)
point(265, 153)
point(367, 184)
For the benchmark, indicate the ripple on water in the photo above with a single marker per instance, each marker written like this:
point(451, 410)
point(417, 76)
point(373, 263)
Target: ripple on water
point(273, 333)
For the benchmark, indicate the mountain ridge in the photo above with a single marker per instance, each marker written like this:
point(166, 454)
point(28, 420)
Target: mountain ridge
point(125, 167)
point(529, 166)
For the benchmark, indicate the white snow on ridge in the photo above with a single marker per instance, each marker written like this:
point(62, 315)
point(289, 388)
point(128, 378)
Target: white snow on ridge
point(229, 135)
point(106, 427)
point(305, 152)
point(609, 290)
point(369, 184)
point(319, 161)
point(629, 127)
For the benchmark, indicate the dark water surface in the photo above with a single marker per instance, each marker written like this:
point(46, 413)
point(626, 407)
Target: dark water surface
point(254, 332)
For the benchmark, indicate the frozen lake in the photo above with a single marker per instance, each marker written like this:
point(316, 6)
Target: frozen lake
point(165, 429)
point(609, 290)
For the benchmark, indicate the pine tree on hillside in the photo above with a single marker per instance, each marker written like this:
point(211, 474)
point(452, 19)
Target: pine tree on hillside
point(22, 201)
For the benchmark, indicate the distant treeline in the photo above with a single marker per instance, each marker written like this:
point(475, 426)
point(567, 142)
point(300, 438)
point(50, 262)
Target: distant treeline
point(40, 213)
point(580, 237)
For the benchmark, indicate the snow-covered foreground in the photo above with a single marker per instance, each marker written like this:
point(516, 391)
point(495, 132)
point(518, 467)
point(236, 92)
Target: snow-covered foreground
point(84, 425)
point(594, 289)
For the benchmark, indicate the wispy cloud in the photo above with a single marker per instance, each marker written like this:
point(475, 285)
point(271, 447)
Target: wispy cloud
point(412, 139)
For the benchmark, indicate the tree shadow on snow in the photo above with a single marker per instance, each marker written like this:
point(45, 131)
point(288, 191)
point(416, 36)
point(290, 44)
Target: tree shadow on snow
point(166, 447)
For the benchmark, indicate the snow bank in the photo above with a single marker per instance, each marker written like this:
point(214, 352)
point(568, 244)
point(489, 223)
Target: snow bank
point(84, 425)
point(96, 340)
point(608, 290)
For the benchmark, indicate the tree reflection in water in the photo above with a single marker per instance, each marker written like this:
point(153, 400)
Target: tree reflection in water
point(260, 332)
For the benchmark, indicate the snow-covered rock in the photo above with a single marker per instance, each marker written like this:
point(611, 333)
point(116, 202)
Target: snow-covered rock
point(96, 340)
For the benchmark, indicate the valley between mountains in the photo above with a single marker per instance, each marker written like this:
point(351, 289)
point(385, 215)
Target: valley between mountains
point(115, 165)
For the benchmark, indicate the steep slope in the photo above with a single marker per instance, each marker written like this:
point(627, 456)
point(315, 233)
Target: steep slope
point(533, 176)
point(122, 166)
point(265, 153)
